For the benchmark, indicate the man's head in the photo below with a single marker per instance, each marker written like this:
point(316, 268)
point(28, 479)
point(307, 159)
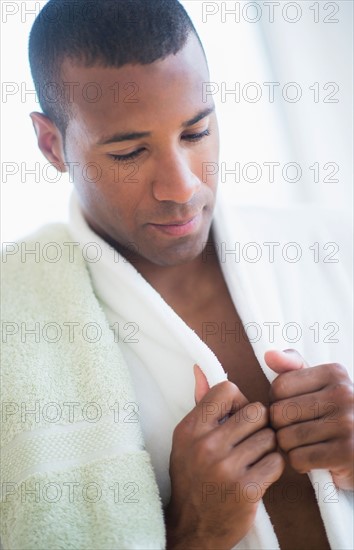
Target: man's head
point(120, 84)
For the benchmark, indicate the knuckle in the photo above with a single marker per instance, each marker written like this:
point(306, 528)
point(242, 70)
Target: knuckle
point(347, 423)
point(228, 391)
point(282, 438)
point(184, 428)
point(296, 461)
point(278, 461)
point(177, 436)
point(227, 386)
point(338, 371)
point(275, 462)
point(277, 386)
point(260, 409)
point(268, 435)
point(280, 385)
point(254, 413)
point(342, 392)
point(265, 438)
point(348, 448)
point(275, 414)
point(301, 431)
point(178, 430)
point(204, 447)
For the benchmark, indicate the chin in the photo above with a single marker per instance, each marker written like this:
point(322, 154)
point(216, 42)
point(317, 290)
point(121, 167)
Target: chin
point(180, 253)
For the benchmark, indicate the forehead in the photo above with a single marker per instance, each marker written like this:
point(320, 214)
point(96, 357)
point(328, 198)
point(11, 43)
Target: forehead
point(102, 98)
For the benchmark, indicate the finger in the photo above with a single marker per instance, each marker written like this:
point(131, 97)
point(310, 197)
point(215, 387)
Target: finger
point(241, 425)
point(254, 448)
point(222, 399)
point(326, 455)
point(249, 453)
point(284, 361)
point(267, 470)
point(325, 404)
point(255, 480)
point(201, 384)
point(306, 433)
point(302, 381)
point(344, 479)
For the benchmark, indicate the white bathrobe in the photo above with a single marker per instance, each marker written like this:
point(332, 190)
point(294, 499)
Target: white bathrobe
point(279, 298)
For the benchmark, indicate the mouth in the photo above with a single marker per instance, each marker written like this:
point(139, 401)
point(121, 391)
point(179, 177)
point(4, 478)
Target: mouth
point(178, 228)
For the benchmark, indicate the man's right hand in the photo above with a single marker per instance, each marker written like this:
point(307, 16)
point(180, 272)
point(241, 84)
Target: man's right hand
point(219, 470)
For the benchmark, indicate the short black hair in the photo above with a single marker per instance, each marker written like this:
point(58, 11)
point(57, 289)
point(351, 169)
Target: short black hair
point(110, 33)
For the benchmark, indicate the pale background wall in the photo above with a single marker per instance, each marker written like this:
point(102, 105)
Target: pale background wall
point(302, 50)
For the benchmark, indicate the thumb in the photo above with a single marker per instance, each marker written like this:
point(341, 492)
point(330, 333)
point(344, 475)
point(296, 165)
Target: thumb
point(201, 384)
point(284, 361)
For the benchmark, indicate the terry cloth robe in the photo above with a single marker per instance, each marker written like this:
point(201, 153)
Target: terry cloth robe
point(82, 451)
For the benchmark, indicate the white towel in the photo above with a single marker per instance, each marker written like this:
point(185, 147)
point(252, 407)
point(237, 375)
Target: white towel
point(75, 474)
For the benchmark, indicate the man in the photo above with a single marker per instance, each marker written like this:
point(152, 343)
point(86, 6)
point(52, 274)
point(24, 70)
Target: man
point(139, 146)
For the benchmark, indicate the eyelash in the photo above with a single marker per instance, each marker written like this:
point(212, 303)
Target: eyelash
point(194, 138)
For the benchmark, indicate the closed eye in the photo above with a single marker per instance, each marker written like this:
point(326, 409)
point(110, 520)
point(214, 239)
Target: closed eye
point(188, 137)
point(130, 156)
point(196, 137)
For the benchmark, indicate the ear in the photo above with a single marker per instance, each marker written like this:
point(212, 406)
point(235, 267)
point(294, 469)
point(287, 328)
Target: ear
point(50, 141)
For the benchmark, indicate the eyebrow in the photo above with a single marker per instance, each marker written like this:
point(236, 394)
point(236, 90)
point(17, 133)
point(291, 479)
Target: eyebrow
point(129, 136)
point(199, 116)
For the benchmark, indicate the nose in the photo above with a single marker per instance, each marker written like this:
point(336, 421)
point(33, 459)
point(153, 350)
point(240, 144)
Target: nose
point(174, 179)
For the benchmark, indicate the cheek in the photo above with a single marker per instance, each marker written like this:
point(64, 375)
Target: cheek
point(124, 176)
point(102, 176)
point(207, 163)
point(120, 191)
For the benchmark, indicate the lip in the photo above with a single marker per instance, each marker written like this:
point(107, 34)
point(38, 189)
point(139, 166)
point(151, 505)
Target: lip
point(178, 228)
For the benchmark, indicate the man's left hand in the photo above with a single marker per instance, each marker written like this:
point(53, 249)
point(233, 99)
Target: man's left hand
point(312, 413)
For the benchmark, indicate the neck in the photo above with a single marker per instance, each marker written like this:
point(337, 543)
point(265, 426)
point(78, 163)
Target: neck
point(186, 280)
point(183, 278)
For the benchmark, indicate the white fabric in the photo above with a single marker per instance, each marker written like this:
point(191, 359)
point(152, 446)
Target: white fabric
point(70, 375)
point(162, 356)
